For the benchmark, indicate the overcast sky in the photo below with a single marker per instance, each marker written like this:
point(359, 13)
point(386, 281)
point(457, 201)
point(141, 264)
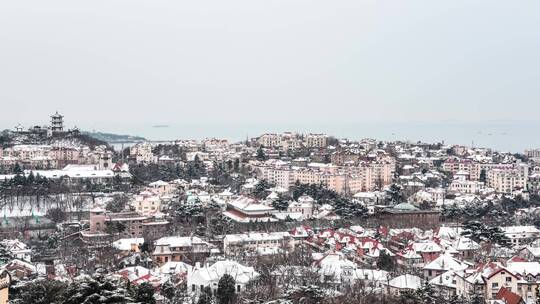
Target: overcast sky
point(269, 61)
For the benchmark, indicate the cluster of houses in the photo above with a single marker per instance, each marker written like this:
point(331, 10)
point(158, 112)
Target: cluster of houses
point(401, 244)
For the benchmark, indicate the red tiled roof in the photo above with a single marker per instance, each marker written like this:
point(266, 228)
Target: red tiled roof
point(508, 296)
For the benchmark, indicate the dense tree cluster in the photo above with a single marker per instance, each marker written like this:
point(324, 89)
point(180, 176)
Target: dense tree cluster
point(147, 173)
point(480, 232)
point(87, 290)
point(118, 203)
point(317, 191)
point(348, 209)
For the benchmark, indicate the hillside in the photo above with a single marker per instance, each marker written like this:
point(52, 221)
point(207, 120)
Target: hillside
point(9, 138)
point(113, 138)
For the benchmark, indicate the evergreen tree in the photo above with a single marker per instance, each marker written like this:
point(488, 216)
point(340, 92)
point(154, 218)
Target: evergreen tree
point(167, 290)
point(479, 232)
point(426, 295)
point(56, 215)
point(482, 175)
point(226, 289)
point(260, 190)
point(306, 295)
point(280, 204)
point(261, 155)
point(97, 290)
point(385, 261)
point(455, 299)
point(17, 169)
point(477, 299)
point(37, 292)
point(118, 203)
point(144, 293)
point(220, 224)
point(206, 296)
point(396, 194)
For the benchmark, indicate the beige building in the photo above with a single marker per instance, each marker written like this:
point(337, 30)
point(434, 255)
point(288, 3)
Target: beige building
point(288, 140)
point(316, 140)
point(367, 176)
point(506, 180)
point(5, 282)
point(177, 249)
point(142, 153)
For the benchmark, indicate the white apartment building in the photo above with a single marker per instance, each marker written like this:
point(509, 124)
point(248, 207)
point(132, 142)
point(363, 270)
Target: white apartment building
point(257, 243)
point(466, 186)
point(289, 140)
point(143, 153)
point(304, 206)
point(455, 165)
point(521, 235)
point(506, 181)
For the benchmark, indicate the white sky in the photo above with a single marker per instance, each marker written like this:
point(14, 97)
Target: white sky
point(271, 61)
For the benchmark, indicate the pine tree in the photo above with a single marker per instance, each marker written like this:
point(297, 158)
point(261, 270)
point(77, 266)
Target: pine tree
point(261, 155)
point(144, 293)
point(426, 295)
point(96, 290)
point(17, 169)
point(226, 289)
point(206, 296)
point(477, 299)
point(385, 261)
point(37, 292)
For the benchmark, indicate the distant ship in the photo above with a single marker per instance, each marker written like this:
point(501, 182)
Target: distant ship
point(160, 126)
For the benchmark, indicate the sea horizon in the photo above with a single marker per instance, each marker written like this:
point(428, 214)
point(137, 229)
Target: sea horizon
point(501, 136)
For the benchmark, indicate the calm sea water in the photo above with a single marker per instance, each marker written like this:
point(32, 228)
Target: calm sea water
point(512, 137)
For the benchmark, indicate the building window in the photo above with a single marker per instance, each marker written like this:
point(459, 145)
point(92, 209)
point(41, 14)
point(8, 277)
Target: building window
point(508, 279)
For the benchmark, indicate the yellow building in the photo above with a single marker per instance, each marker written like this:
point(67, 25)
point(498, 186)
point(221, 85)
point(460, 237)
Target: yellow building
point(5, 281)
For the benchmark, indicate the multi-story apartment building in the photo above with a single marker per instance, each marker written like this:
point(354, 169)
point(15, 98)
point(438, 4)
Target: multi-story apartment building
point(269, 140)
point(136, 225)
point(54, 157)
point(342, 158)
point(475, 169)
point(288, 140)
point(262, 243)
point(147, 203)
point(507, 180)
point(533, 154)
point(466, 186)
point(177, 249)
point(348, 179)
point(478, 168)
point(455, 165)
point(315, 140)
point(142, 153)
